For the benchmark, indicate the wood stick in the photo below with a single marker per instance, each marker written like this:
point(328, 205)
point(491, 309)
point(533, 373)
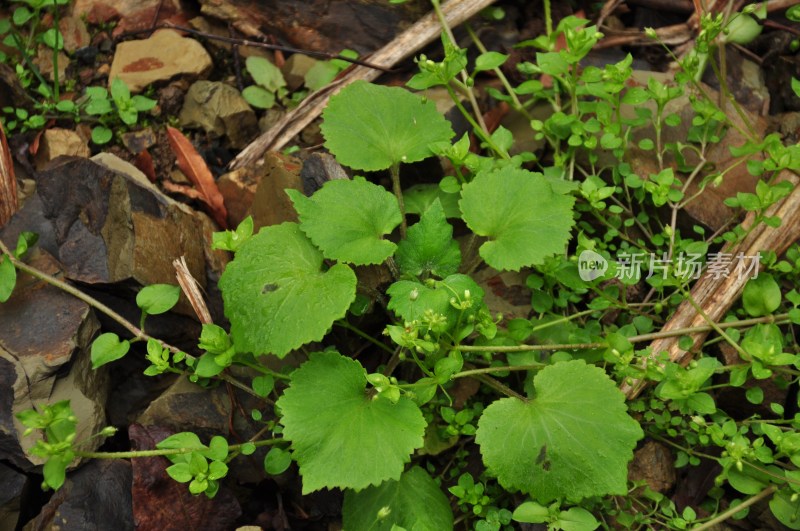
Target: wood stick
point(715, 296)
point(425, 31)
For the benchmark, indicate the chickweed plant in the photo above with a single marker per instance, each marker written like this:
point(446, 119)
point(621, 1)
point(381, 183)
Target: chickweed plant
point(547, 421)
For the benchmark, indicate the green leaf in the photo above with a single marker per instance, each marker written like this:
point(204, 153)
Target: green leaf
point(25, 240)
point(371, 127)
point(489, 61)
point(413, 502)
point(258, 97)
point(180, 472)
point(217, 448)
point(101, 135)
point(525, 220)
point(786, 508)
point(577, 519)
point(531, 512)
point(410, 299)
point(277, 461)
point(207, 366)
point(55, 469)
point(52, 38)
point(263, 384)
point(8, 278)
point(429, 246)
point(107, 348)
point(761, 295)
point(143, 104)
point(277, 297)
point(347, 220)
point(120, 91)
point(265, 73)
point(572, 440)
point(319, 75)
point(341, 436)
point(158, 298)
point(184, 439)
point(420, 197)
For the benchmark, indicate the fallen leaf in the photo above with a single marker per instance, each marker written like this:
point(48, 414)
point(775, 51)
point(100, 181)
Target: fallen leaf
point(195, 168)
point(8, 181)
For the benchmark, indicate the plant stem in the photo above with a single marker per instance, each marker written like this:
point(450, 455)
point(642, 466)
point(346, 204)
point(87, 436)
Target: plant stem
point(165, 451)
point(718, 327)
point(398, 193)
point(344, 324)
point(498, 386)
point(490, 370)
point(724, 515)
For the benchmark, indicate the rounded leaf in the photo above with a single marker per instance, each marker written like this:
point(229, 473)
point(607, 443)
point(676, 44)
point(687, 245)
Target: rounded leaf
point(573, 440)
point(413, 502)
point(158, 298)
point(341, 435)
point(277, 296)
point(523, 217)
point(371, 127)
point(348, 219)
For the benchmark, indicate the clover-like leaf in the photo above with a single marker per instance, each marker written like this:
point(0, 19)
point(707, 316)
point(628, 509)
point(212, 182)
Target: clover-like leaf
point(277, 296)
point(372, 127)
point(429, 246)
point(348, 219)
point(523, 217)
point(572, 440)
point(413, 502)
point(343, 436)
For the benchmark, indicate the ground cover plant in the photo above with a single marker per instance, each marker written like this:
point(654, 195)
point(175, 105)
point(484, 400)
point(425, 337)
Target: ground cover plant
point(547, 436)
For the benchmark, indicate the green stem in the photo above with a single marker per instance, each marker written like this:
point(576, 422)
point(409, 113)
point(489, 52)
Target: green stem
point(363, 335)
point(490, 370)
point(498, 386)
point(398, 193)
point(166, 451)
point(728, 513)
point(718, 327)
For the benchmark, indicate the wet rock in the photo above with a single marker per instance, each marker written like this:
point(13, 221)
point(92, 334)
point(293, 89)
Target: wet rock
point(220, 110)
point(96, 496)
point(653, 463)
point(111, 224)
point(271, 205)
point(156, 496)
point(45, 335)
point(143, 62)
point(57, 142)
point(185, 406)
point(238, 188)
point(320, 26)
point(295, 69)
point(13, 484)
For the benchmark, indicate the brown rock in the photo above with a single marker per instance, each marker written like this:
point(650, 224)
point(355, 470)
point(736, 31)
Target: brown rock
point(238, 188)
point(220, 110)
point(74, 33)
point(138, 141)
point(56, 142)
point(44, 331)
point(271, 205)
point(653, 463)
point(295, 69)
point(44, 60)
point(144, 62)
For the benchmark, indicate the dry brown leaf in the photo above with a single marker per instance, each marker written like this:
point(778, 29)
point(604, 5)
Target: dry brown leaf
point(195, 168)
point(144, 161)
point(8, 181)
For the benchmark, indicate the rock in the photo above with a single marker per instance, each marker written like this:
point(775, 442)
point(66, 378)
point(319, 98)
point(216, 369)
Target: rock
point(271, 205)
point(111, 224)
point(238, 188)
point(143, 62)
point(220, 110)
point(56, 142)
point(505, 292)
point(185, 406)
point(74, 32)
point(653, 463)
point(318, 169)
point(138, 141)
point(12, 94)
point(131, 14)
point(13, 483)
point(157, 497)
point(295, 69)
point(96, 496)
point(44, 61)
point(44, 357)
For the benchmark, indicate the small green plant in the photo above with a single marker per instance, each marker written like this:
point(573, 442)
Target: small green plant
point(270, 85)
point(120, 107)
